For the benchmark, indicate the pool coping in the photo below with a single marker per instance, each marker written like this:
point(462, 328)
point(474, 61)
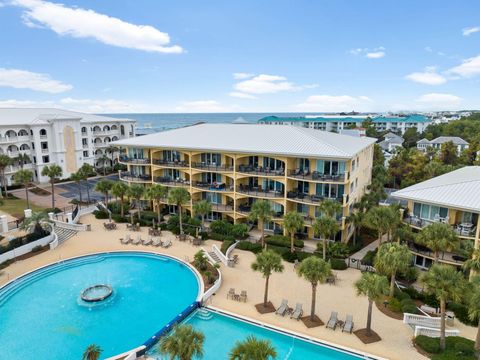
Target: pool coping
point(316, 341)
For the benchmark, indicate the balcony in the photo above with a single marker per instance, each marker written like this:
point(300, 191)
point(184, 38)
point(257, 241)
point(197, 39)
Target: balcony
point(311, 199)
point(222, 207)
point(168, 181)
point(85, 146)
point(14, 168)
point(464, 230)
point(215, 186)
point(259, 192)
point(245, 209)
point(443, 257)
point(169, 163)
point(260, 171)
point(129, 160)
point(135, 177)
point(316, 176)
point(211, 167)
point(12, 139)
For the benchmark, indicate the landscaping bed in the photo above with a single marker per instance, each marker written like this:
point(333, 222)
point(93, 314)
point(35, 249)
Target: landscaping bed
point(39, 191)
point(457, 348)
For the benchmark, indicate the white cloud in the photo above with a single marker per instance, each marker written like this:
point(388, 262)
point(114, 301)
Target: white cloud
point(428, 77)
point(203, 106)
point(241, 95)
point(428, 49)
point(438, 101)
point(242, 76)
point(267, 84)
point(332, 103)
point(469, 68)
point(22, 79)
point(375, 55)
point(85, 23)
point(471, 30)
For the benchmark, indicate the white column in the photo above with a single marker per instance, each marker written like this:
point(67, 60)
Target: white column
point(3, 224)
point(50, 215)
point(69, 217)
point(28, 213)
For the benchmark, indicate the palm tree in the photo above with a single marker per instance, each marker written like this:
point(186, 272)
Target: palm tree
point(22, 159)
point(92, 352)
point(37, 223)
point(104, 186)
point(330, 207)
point(5, 161)
point(111, 149)
point(54, 172)
point(202, 208)
point(261, 212)
point(267, 262)
point(474, 311)
point(473, 264)
point(292, 222)
point(184, 343)
point(179, 197)
point(85, 170)
point(78, 178)
point(24, 177)
point(325, 227)
point(394, 220)
point(373, 286)
point(156, 193)
point(120, 190)
point(136, 191)
point(377, 218)
point(253, 349)
point(391, 259)
point(357, 219)
point(438, 237)
point(104, 158)
point(446, 284)
point(314, 270)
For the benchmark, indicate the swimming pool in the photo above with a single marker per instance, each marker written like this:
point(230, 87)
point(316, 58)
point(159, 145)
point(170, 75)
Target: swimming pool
point(43, 317)
point(222, 331)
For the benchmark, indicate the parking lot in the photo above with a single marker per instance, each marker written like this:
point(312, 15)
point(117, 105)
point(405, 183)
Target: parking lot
point(70, 190)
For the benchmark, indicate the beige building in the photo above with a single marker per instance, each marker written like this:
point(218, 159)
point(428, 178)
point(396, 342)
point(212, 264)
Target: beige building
point(452, 198)
point(234, 165)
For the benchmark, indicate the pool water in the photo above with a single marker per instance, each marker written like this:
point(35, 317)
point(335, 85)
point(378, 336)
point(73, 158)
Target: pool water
point(222, 331)
point(43, 317)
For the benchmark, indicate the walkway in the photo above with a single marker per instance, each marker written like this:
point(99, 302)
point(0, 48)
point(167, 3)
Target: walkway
point(362, 252)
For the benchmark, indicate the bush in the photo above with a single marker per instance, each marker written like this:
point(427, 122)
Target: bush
point(302, 255)
point(428, 344)
point(410, 275)
point(337, 250)
point(283, 241)
point(37, 248)
point(410, 308)
point(22, 240)
point(401, 295)
point(369, 258)
point(248, 246)
point(338, 264)
point(221, 237)
point(54, 210)
point(221, 227)
point(431, 300)
point(117, 218)
point(461, 345)
point(395, 305)
point(190, 225)
point(100, 214)
point(280, 250)
point(461, 313)
point(289, 256)
point(413, 293)
point(225, 245)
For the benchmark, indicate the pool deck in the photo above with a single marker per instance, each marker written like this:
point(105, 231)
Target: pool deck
point(341, 297)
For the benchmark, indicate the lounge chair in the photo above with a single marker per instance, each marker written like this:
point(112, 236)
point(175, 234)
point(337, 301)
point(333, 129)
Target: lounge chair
point(137, 240)
point(126, 239)
point(282, 309)
point(348, 324)
point(243, 296)
point(298, 312)
point(148, 241)
point(231, 293)
point(167, 243)
point(156, 241)
point(332, 322)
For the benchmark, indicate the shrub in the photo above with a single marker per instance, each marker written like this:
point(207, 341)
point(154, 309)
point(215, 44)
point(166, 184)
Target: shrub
point(410, 308)
point(461, 345)
point(239, 231)
point(200, 260)
point(461, 313)
point(100, 214)
point(337, 250)
point(410, 275)
point(225, 245)
point(431, 300)
point(289, 256)
point(37, 248)
point(283, 241)
point(248, 246)
point(118, 218)
point(369, 258)
point(54, 210)
point(394, 305)
point(338, 264)
point(413, 293)
point(302, 255)
point(280, 250)
point(428, 344)
point(221, 237)
point(221, 227)
point(401, 295)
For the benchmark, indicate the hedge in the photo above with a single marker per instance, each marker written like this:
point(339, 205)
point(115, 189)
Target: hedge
point(428, 344)
point(222, 227)
point(226, 244)
point(369, 258)
point(221, 237)
point(461, 313)
point(22, 240)
point(100, 214)
point(283, 241)
point(248, 246)
point(338, 264)
point(456, 347)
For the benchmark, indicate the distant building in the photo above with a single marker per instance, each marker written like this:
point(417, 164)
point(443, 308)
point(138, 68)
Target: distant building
point(337, 123)
point(437, 143)
point(357, 132)
point(391, 142)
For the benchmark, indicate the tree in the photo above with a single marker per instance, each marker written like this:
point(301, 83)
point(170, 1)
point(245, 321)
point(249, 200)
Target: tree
point(77, 177)
point(473, 303)
point(315, 271)
point(394, 220)
point(136, 191)
point(37, 223)
point(391, 259)
point(292, 222)
point(330, 207)
point(24, 178)
point(92, 352)
point(179, 197)
point(446, 284)
point(5, 161)
point(103, 159)
point(120, 190)
point(267, 262)
point(185, 343)
point(156, 193)
point(202, 208)
point(253, 349)
point(373, 286)
point(411, 136)
point(448, 153)
point(473, 264)
point(54, 172)
point(261, 212)
point(22, 159)
point(104, 186)
point(377, 218)
point(356, 218)
point(438, 237)
point(325, 227)
point(86, 170)
point(111, 149)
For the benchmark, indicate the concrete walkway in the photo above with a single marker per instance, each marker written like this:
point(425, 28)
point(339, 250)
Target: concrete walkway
point(362, 252)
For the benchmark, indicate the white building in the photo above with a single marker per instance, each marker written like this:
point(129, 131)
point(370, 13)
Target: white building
point(437, 143)
point(54, 136)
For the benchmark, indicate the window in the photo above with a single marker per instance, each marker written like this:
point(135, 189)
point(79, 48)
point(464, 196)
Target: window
point(45, 159)
point(44, 145)
point(84, 141)
point(304, 164)
point(331, 167)
point(214, 198)
point(302, 209)
point(211, 158)
point(171, 155)
point(273, 185)
point(43, 132)
point(304, 187)
point(253, 161)
point(211, 178)
point(272, 164)
point(33, 146)
point(172, 174)
point(84, 130)
point(85, 154)
point(429, 212)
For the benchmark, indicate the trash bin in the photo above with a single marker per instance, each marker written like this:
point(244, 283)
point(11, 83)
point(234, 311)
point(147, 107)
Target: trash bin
point(450, 317)
point(89, 227)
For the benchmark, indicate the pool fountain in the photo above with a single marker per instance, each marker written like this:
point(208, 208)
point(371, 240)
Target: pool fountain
point(96, 293)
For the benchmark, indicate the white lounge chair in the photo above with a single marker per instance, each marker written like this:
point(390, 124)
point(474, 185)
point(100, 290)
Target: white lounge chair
point(126, 239)
point(137, 240)
point(348, 324)
point(148, 241)
point(332, 322)
point(167, 243)
point(156, 241)
point(282, 309)
point(298, 312)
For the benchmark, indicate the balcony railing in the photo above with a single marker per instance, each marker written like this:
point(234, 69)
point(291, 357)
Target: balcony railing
point(317, 176)
point(462, 229)
point(130, 160)
point(313, 199)
point(222, 207)
point(211, 166)
point(170, 163)
point(245, 209)
point(442, 256)
point(135, 177)
point(259, 170)
point(168, 181)
point(260, 192)
point(215, 186)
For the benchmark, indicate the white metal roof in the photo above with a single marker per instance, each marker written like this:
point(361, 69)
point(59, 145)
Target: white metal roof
point(255, 138)
point(443, 139)
point(28, 116)
point(458, 189)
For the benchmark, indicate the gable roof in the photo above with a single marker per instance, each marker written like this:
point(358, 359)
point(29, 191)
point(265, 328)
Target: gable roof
point(444, 139)
point(254, 139)
point(458, 189)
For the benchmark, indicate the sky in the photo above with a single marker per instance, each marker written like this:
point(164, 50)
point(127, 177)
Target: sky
point(240, 56)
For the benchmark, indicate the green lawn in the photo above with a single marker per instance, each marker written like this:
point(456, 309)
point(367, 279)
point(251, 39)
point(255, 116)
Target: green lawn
point(15, 207)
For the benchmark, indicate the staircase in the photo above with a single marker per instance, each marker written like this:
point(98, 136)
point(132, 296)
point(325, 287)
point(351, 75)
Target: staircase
point(64, 234)
point(214, 256)
point(204, 314)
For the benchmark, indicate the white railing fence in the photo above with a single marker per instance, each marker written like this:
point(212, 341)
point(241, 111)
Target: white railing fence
point(70, 226)
point(207, 255)
point(24, 249)
point(420, 320)
point(434, 332)
point(220, 255)
point(129, 355)
point(216, 285)
point(230, 249)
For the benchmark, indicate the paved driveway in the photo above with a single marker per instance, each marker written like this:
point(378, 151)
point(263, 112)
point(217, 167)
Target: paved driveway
point(70, 190)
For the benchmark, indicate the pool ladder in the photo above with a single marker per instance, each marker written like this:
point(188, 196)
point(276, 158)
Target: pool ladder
point(204, 314)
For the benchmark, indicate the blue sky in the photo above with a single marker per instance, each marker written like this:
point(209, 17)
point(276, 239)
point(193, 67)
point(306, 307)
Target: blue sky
point(240, 56)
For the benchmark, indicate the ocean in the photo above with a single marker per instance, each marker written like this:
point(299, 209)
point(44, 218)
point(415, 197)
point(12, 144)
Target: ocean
point(162, 121)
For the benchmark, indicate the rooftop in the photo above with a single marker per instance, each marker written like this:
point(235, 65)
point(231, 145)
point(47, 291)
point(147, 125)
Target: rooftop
point(339, 118)
point(458, 189)
point(253, 139)
point(443, 139)
point(30, 116)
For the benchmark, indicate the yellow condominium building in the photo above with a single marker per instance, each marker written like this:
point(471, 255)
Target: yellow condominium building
point(452, 198)
point(234, 165)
